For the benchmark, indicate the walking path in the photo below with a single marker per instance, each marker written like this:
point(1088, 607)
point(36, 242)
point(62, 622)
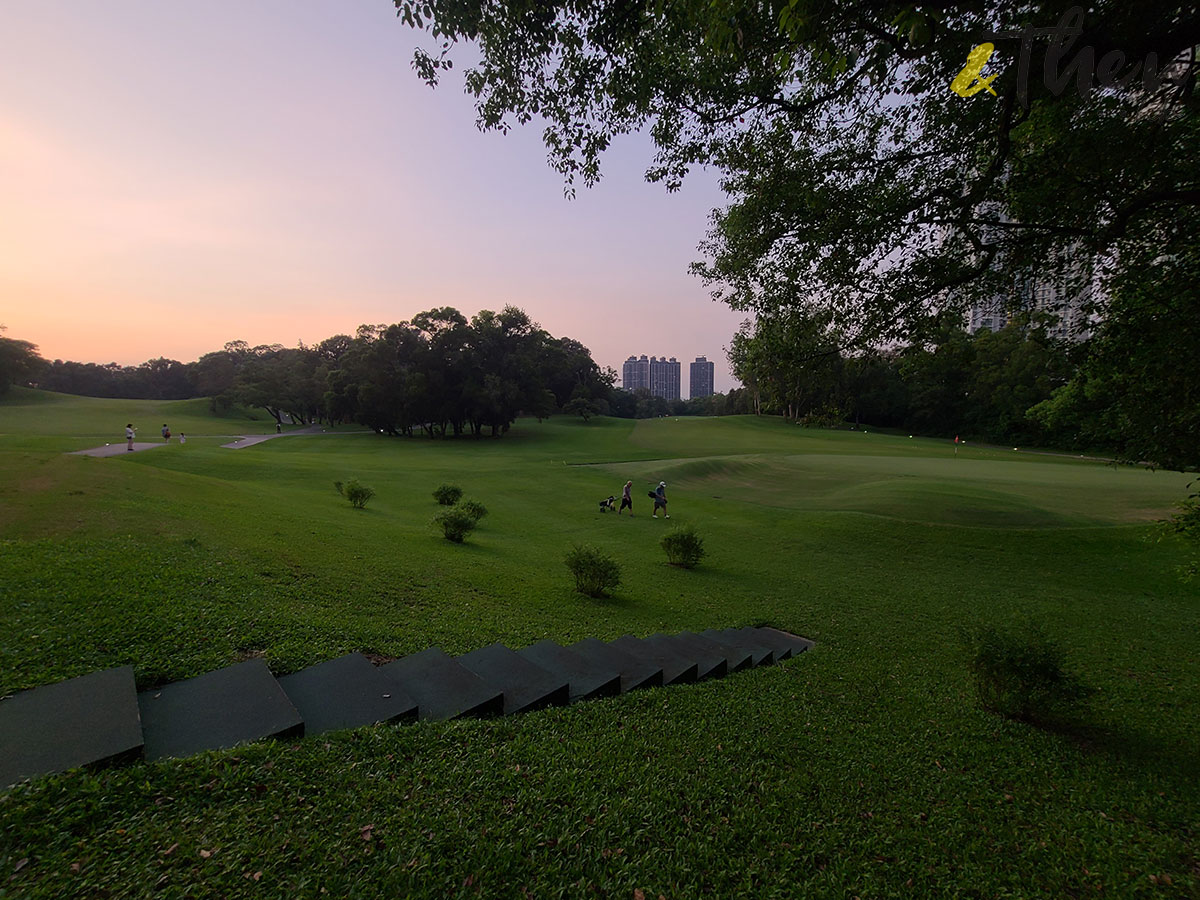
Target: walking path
point(252, 439)
point(240, 443)
point(118, 448)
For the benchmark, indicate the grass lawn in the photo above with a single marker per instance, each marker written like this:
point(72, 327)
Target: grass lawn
point(862, 768)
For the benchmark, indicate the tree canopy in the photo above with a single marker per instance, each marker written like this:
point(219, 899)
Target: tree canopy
point(19, 362)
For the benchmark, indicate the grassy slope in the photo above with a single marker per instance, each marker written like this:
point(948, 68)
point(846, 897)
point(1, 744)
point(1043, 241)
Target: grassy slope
point(854, 770)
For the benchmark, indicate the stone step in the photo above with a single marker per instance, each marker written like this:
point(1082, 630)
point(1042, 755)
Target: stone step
point(636, 672)
point(677, 668)
point(799, 644)
point(526, 686)
point(442, 688)
point(783, 647)
point(347, 692)
point(736, 658)
point(760, 653)
point(90, 720)
point(709, 663)
point(220, 709)
point(587, 680)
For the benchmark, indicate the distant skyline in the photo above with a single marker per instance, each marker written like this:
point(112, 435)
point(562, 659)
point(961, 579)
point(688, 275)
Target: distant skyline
point(178, 176)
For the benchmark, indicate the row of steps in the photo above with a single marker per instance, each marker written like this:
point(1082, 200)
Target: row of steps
point(100, 719)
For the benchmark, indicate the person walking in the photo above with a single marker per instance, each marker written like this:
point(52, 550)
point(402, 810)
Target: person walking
point(130, 433)
point(166, 432)
point(660, 500)
point(626, 498)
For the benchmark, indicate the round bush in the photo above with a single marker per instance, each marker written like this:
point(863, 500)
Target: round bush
point(456, 523)
point(595, 572)
point(684, 547)
point(355, 491)
point(473, 508)
point(448, 494)
point(1022, 675)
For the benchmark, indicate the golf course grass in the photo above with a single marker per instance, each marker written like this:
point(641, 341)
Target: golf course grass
point(863, 768)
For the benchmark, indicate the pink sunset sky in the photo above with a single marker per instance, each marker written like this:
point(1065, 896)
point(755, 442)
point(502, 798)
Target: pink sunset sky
point(174, 176)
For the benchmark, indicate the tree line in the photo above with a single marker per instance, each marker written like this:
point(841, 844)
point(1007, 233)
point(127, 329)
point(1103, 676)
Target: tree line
point(438, 374)
point(1018, 385)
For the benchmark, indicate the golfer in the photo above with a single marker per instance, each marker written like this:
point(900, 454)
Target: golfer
point(626, 498)
point(660, 500)
point(130, 433)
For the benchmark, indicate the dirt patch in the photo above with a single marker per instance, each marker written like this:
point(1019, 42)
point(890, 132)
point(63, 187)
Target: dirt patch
point(379, 659)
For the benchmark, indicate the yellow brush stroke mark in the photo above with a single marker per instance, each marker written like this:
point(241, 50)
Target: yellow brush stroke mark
point(969, 82)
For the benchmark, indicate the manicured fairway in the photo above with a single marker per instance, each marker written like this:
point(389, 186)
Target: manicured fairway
point(862, 768)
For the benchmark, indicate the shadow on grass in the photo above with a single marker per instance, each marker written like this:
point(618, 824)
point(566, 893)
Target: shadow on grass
point(1125, 744)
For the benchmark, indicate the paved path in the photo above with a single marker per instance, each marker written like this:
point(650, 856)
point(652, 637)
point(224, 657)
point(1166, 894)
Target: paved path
point(252, 439)
point(118, 448)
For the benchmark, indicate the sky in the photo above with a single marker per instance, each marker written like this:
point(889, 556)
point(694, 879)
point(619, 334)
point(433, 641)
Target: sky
point(174, 176)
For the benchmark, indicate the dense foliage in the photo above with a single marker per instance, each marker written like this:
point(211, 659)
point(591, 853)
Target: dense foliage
point(990, 386)
point(438, 374)
point(19, 362)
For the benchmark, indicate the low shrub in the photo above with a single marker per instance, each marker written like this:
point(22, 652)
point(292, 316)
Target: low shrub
point(448, 494)
point(1186, 523)
point(1022, 675)
point(355, 491)
point(683, 546)
point(595, 572)
point(456, 523)
point(473, 508)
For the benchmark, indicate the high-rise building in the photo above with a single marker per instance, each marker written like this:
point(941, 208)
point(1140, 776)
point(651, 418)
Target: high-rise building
point(659, 376)
point(635, 373)
point(1070, 300)
point(701, 378)
point(664, 378)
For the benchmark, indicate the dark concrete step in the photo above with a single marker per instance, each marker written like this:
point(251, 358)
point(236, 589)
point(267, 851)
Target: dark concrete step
point(709, 664)
point(677, 668)
point(587, 680)
point(347, 692)
point(90, 720)
point(736, 658)
point(442, 688)
point(761, 654)
point(783, 647)
point(217, 710)
point(799, 644)
point(636, 672)
point(526, 686)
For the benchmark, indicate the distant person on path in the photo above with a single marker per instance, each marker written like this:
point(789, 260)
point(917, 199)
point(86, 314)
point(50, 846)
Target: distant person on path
point(278, 428)
point(626, 498)
point(130, 433)
point(166, 432)
point(660, 500)
point(182, 438)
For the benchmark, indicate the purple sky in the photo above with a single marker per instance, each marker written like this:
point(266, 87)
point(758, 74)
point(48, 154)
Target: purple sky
point(175, 176)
